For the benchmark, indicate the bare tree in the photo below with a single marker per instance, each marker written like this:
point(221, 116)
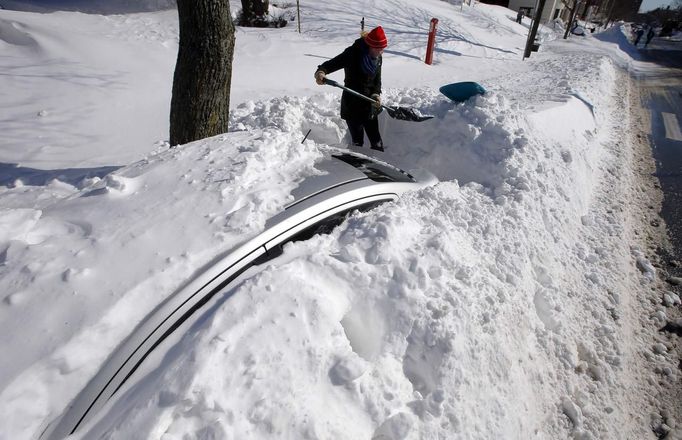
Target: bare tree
point(203, 73)
point(573, 7)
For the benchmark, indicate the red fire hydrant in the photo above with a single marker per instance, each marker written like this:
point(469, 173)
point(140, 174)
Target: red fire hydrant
point(432, 41)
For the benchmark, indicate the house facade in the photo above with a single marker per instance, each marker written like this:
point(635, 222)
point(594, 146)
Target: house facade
point(553, 8)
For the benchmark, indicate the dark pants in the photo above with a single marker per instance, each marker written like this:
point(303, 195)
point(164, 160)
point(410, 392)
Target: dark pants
point(357, 131)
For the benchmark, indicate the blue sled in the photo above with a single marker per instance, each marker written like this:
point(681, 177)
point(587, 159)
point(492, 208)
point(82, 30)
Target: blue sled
point(461, 91)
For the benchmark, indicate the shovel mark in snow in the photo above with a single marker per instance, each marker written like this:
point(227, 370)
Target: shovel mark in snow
point(545, 310)
point(424, 356)
point(364, 328)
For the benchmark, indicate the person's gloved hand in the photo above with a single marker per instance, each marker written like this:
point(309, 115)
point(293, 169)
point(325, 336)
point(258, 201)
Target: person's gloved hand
point(377, 98)
point(319, 77)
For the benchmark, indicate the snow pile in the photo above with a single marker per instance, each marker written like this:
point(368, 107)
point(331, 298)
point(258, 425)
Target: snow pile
point(89, 6)
point(401, 321)
point(503, 302)
point(71, 257)
point(72, 72)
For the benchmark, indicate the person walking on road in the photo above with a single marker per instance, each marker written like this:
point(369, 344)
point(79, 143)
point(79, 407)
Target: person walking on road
point(649, 36)
point(361, 63)
point(639, 34)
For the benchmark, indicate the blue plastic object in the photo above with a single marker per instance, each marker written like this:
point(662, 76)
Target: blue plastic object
point(461, 91)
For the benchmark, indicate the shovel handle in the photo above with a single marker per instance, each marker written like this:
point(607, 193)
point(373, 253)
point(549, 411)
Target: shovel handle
point(331, 82)
point(402, 113)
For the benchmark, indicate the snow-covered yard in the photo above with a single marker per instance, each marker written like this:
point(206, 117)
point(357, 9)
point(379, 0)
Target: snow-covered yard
point(517, 298)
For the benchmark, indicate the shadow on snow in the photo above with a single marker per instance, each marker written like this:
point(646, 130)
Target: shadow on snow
point(11, 172)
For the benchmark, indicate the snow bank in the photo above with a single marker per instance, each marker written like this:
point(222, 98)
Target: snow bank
point(466, 309)
point(72, 72)
point(499, 303)
point(89, 6)
point(69, 257)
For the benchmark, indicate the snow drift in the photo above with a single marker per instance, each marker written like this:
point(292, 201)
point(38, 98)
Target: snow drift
point(506, 301)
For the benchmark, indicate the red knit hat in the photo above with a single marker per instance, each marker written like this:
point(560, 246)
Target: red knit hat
point(376, 38)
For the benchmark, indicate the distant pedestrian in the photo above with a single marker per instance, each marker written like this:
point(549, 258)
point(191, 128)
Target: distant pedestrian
point(519, 16)
point(639, 34)
point(649, 36)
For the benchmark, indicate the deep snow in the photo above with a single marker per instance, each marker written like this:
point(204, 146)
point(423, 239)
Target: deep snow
point(515, 299)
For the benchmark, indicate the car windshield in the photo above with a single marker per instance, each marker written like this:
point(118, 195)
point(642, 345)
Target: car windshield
point(375, 171)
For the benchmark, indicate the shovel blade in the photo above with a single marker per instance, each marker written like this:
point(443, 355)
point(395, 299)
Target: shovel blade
point(406, 114)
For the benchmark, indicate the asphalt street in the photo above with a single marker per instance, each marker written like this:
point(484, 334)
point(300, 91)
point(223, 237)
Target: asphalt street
point(663, 97)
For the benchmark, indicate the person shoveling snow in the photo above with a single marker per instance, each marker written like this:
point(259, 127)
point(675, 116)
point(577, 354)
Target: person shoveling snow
point(362, 66)
point(361, 99)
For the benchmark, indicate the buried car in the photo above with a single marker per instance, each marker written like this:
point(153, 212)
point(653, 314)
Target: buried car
point(321, 202)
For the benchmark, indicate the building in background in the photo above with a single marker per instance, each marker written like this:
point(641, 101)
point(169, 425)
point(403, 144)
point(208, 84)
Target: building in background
point(553, 8)
point(504, 3)
point(588, 10)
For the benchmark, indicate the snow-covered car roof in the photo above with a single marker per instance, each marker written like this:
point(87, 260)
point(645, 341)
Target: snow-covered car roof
point(348, 181)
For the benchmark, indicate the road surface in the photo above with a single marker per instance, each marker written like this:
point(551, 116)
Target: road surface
point(662, 92)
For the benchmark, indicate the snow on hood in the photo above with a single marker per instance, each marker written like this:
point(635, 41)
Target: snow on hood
point(409, 318)
point(486, 306)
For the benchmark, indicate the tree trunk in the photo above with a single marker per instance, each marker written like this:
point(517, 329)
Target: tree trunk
point(260, 7)
point(534, 28)
point(201, 85)
point(247, 12)
point(574, 11)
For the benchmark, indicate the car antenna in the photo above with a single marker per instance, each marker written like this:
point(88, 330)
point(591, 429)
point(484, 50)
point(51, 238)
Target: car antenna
point(306, 135)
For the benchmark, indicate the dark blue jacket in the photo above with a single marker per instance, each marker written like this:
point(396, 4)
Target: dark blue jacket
point(350, 60)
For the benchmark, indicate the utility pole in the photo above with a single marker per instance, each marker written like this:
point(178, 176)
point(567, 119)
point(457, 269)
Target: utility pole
point(609, 19)
point(576, 5)
point(530, 42)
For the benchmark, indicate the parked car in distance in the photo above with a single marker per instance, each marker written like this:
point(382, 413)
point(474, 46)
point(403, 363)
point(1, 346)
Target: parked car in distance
point(578, 30)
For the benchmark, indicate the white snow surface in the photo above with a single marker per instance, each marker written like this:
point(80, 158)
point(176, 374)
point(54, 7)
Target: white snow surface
point(507, 301)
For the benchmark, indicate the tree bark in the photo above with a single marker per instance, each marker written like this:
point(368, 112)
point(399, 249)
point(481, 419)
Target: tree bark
point(247, 11)
point(200, 103)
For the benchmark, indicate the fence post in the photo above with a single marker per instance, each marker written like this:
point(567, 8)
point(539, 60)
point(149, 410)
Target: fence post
point(432, 41)
point(298, 13)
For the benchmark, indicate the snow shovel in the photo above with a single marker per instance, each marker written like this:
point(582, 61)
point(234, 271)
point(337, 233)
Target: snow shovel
point(462, 91)
point(402, 113)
